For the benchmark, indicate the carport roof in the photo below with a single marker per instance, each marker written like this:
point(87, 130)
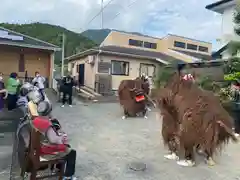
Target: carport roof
point(12, 38)
point(131, 52)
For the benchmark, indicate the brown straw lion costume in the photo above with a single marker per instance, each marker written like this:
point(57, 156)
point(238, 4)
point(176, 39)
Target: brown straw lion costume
point(202, 120)
point(132, 98)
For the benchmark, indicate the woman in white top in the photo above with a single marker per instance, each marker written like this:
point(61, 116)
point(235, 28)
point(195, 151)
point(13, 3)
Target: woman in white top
point(39, 82)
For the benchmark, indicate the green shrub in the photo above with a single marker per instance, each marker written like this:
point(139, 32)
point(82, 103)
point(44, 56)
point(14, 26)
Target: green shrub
point(164, 73)
point(232, 77)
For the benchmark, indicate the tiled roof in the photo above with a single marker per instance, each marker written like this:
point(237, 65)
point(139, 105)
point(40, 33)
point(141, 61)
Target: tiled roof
point(196, 55)
point(140, 52)
point(124, 51)
point(8, 37)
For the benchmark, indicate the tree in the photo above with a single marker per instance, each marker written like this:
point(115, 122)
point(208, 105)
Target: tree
point(53, 34)
point(236, 19)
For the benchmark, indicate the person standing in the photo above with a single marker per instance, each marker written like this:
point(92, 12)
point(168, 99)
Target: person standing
point(12, 87)
point(68, 84)
point(39, 82)
point(235, 89)
point(3, 92)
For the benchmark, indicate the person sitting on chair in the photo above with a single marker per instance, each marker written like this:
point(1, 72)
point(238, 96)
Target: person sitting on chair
point(57, 143)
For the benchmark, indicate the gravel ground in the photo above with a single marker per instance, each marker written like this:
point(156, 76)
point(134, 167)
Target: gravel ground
point(106, 145)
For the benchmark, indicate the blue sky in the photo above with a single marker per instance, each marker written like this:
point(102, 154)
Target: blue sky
point(152, 17)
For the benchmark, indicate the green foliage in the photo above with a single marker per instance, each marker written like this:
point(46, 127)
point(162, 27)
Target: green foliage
point(53, 34)
point(206, 82)
point(232, 77)
point(96, 35)
point(164, 73)
point(232, 69)
point(225, 94)
point(236, 19)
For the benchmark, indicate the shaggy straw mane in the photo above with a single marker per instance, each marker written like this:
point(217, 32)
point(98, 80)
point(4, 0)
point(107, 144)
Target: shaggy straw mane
point(203, 121)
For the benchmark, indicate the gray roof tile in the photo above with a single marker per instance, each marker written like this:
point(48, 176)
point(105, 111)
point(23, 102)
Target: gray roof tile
point(26, 41)
point(140, 52)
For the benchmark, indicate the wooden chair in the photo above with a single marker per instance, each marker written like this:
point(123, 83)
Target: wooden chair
point(35, 163)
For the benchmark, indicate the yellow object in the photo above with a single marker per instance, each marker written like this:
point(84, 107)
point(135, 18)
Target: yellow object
point(32, 108)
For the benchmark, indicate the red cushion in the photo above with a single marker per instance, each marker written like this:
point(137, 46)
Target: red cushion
point(52, 149)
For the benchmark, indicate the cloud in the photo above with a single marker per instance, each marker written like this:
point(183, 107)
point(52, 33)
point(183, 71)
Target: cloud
point(152, 17)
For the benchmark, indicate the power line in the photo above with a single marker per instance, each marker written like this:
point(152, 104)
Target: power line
point(116, 15)
point(94, 17)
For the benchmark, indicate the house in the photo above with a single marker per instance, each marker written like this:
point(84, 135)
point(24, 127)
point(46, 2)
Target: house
point(123, 55)
point(187, 49)
point(21, 53)
point(226, 8)
point(108, 65)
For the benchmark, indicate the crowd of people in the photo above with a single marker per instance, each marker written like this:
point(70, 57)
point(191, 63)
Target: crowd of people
point(15, 95)
point(9, 89)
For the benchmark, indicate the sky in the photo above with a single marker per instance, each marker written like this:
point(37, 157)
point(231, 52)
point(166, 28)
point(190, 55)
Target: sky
point(151, 17)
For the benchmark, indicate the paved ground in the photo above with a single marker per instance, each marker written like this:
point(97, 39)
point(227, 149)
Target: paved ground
point(8, 124)
point(106, 145)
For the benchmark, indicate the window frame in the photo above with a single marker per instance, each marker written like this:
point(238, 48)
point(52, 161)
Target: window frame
point(192, 45)
point(128, 68)
point(202, 50)
point(135, 40)
point(180, 42)
point(146, 64)
point(150, 45)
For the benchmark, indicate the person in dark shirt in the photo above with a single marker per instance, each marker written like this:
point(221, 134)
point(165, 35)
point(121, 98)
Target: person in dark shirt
point(68, 84)
point(3, 92)
point(235, 89)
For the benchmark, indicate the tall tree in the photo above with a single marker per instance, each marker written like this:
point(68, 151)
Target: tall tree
point(234, 46)
point(236, 19)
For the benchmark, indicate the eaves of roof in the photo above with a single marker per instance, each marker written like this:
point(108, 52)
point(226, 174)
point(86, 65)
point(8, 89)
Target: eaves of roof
point(218, 3)
point(30, 46)
point(127, 52)
point(37, 42)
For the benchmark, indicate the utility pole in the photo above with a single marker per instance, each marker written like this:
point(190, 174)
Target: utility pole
point(102, 15)
point(63, 56)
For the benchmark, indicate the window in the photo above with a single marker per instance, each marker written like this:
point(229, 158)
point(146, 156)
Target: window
point(192, 46)
point(133, 42)
point(120, 68)
point(21, 63)
point(150, 45)
point(147, 69)
point(203, 49)
point(179, 44)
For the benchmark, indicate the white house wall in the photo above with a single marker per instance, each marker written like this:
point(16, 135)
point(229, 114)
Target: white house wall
point(226, 54)
point(228, 24)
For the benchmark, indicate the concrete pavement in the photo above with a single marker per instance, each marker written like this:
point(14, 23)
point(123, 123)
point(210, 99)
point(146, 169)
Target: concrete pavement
point(106, 145)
